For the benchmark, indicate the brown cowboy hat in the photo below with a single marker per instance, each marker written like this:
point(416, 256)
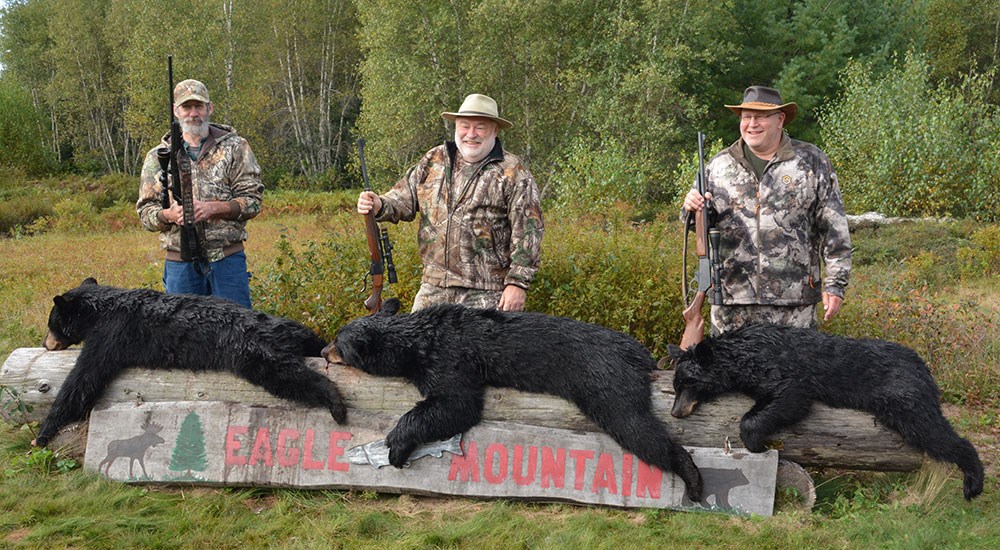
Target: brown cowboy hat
point(479, 105)
point(761, 98)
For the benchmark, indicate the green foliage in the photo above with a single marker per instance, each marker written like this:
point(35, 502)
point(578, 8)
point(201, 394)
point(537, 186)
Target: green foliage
point(22, 131)
point(593, 177)
point(903, 146)
point(29, 206)
point(982, 257)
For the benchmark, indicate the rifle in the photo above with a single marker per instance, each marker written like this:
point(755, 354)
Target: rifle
point(175, 178)
point(707, 276)
point(379, 248)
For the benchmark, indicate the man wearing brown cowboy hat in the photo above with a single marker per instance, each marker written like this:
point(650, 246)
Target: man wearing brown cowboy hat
point(778, 206)
point(480, 214)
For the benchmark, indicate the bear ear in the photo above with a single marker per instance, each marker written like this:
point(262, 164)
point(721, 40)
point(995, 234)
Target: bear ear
point(89, 281)
point(390, 307)
point(703, 353)
point(60, 302)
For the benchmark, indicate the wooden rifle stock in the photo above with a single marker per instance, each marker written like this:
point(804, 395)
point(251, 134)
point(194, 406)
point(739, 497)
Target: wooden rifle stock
point(377, 267)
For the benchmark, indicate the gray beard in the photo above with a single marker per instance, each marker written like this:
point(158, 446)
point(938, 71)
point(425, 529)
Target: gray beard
point(200, 130)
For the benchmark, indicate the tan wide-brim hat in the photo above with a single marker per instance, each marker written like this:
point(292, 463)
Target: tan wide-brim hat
point(761, 98)
point(479, 105)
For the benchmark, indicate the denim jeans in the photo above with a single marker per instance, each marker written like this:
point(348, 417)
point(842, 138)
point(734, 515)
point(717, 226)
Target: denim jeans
point(227, 278)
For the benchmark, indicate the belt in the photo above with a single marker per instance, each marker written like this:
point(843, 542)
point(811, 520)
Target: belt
point(175, 256)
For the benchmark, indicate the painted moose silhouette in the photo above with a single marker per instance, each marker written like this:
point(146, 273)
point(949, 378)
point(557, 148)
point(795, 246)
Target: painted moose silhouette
point(133, 448)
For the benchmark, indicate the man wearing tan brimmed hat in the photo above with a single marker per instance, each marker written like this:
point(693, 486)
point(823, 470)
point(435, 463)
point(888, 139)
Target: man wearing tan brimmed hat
point(777, 203)
point(481, 217)
point(225, 181)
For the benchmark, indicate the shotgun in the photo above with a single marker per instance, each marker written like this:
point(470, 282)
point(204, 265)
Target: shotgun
point(707, 276)
point(175, 178)
point(381, 267)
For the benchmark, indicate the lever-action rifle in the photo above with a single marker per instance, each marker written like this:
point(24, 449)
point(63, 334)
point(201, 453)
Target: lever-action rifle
point(175, 179)
point(707, 277)
point(379, 247)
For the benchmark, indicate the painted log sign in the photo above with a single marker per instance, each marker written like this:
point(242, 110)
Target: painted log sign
point(216, 443)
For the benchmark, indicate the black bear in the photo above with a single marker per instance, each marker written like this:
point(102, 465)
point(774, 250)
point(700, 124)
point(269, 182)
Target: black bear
point(785, 369)
point(450, 353)
point(123, 328)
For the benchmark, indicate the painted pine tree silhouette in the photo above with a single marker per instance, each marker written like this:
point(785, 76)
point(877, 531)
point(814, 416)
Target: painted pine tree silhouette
point(189, 449)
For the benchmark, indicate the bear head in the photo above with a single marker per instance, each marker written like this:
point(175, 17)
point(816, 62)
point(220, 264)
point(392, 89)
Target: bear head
point(71, 318)
point(697, 377)
point(370, 343)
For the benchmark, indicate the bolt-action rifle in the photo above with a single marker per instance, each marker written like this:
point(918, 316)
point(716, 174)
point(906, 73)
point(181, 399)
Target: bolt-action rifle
point(379, 248)
point(175, 179)
point(706, 277)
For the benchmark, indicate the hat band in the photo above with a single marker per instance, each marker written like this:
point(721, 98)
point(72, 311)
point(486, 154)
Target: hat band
point(475, 113)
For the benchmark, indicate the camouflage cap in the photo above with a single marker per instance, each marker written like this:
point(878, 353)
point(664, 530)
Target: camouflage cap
point(189, 89)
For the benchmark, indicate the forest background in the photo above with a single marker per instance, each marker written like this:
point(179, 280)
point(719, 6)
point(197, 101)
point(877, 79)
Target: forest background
point(606, 96)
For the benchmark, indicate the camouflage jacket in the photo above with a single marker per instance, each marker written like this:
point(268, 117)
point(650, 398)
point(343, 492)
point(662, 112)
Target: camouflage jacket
point(226, 170)
point(776, 231)
point(484, 232)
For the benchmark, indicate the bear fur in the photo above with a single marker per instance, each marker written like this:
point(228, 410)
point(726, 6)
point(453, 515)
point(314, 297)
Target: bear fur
point(786, 369)
point(123, 328)
point(450, 353)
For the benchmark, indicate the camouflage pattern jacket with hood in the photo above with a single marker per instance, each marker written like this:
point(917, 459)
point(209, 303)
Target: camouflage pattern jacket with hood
point(776, 231)
point(482, 232)
point(226, 170)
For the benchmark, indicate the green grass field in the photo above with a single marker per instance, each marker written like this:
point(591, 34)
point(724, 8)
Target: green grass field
point(912, 284)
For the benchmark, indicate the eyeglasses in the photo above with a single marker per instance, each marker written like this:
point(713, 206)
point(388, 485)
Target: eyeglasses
point(751, 116)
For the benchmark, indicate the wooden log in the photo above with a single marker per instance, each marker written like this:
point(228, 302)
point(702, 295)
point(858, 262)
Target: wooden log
point(828, 438)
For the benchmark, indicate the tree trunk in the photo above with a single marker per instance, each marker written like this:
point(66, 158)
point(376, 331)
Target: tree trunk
point(838, 438)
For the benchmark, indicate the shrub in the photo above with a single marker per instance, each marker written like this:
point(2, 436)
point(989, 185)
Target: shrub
point(904, 146)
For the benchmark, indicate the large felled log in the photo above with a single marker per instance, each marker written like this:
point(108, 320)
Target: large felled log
point(827, 438)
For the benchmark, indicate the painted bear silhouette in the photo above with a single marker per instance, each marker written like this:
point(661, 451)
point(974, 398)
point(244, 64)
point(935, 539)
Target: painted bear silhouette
point(451, 353)
point(123, 328)
point(786, 369)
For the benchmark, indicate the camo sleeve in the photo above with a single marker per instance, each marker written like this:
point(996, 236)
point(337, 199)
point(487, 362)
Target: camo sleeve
point(244, 177)
point(527, 228)
point(401, 203)
point(149, 204)
point(836, 244)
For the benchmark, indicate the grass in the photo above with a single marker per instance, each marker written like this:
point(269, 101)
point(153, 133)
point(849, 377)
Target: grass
point(906, 285)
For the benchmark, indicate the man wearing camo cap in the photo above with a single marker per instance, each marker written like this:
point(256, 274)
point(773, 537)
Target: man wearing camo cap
point(227, 192)
point(778, 206)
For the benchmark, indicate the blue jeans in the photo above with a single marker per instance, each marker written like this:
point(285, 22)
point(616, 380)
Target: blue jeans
point(227, 278)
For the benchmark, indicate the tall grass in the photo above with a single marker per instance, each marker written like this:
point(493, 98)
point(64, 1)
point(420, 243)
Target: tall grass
point(307, 254)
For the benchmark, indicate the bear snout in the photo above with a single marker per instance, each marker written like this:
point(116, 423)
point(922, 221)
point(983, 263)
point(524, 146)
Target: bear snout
point(331, 355)
point(684, 404)
point(53, 343)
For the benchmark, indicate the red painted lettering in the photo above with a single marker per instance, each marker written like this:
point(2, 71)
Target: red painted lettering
point(649, 477)
point(604, 475)
point(287, 456)
point(465, 467)
point(500, 452)
point(626, 475)
point(337, 450)
point(262, 448)
point(553, 467)
point(519, 478)
point(581, 458)
point(307, 461)
point(233, 445)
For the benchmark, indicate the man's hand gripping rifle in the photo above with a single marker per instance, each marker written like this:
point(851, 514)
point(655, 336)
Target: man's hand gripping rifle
point(175, 179)
point(379, 248)
point(707, 276)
